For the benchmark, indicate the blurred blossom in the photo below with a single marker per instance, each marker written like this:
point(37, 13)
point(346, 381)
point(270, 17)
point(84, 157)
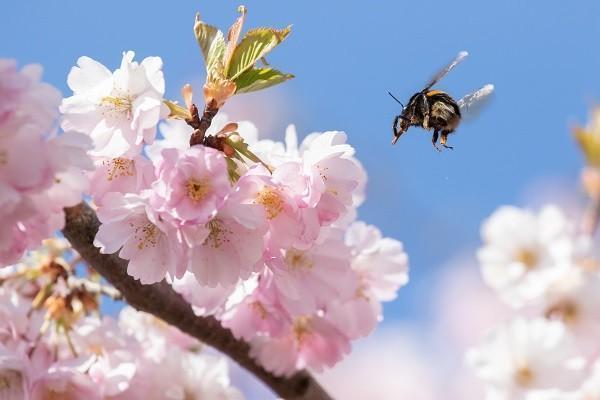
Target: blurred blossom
point(525, 252)
point(527, 359)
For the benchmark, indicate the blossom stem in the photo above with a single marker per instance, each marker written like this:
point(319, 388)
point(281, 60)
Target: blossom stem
point(201, 125)
point(163, 302)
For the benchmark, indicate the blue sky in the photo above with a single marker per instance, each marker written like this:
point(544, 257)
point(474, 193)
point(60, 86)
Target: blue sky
point(541, 56)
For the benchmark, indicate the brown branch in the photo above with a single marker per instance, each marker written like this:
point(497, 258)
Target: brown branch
point(163, 302)
point(201, 125)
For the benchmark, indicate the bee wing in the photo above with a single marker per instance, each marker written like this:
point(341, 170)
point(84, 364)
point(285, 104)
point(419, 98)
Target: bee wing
point(472, 104)
point(461, 56)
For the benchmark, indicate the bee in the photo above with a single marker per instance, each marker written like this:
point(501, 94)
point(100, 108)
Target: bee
point(436, 110)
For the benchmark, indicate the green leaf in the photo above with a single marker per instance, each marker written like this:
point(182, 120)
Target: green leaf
point(211, 43)
point(254, 46)
point(242, 148)
point(176, 111)
point(259, 78)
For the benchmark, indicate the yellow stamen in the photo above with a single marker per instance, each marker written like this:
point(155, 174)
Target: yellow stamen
point(119, 167)
point(146, 235)
point(118, 104)
point(298, 260)
point(524, 376)
point(271, 201)
point(301, 328)
point(197, 189)
point(527, 257)
point(566, 310)
point(218, 234)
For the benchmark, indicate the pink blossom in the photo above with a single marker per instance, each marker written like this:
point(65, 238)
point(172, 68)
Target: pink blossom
point(357, 317)
point(256, 313)
point(289, 224)
point(333, 173)
point(21, 92)
point(381, 263)
point(151, 245)
point(233, 248)
point(308, 280)
point(121, 175)
point(155, 337)
point(65, 379)
point(118, 110)
point(191, 184)
point(310, 342)
point(205, 300)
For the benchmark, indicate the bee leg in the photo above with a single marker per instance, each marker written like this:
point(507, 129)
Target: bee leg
point(445, 138)
point(434, 140)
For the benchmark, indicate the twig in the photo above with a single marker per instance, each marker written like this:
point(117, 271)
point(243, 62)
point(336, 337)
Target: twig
point(163, 302)
point(201, 125)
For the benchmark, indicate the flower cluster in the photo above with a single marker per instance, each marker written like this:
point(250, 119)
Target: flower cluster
point(539, 265)
point(54, 344)
point(268, 244)
point(41, 172)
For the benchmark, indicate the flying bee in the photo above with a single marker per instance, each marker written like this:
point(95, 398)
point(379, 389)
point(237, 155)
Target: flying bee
point(436, 110)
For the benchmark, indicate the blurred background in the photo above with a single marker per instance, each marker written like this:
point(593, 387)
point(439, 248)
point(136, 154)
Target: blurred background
point(346, 56)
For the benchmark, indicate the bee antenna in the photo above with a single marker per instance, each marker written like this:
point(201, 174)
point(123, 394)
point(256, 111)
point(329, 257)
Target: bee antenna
point(394, 97)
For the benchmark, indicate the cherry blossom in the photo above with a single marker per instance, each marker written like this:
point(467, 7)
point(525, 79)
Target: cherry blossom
point(308, 342)
point(191, 184)
point(523, 359)
point(525, 252)
point(33, 194)
point(119, 110)
point(150, 244)
point(121, 175)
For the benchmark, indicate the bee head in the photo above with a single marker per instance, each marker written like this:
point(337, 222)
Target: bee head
point(401, 125)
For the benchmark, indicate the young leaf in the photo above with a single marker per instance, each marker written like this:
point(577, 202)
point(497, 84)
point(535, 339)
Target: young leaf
point(176, 111)
point(233, 35)
point(259, 78)
point(211, 43)
point(254, 46)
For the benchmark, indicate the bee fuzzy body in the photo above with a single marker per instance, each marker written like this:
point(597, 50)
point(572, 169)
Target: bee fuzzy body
point(432, 110)
point(435, 110)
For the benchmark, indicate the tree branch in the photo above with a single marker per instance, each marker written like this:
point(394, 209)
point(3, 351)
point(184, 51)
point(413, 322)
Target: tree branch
point(163, 302)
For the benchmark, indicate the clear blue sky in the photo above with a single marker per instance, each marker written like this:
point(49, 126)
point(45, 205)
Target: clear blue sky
point(542, 57)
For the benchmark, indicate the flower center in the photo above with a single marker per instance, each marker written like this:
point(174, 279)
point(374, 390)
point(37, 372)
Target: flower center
point(197, 189)
point(259, 308)
point(527, 257)
point(524, 376)
point(118, 104)
point(11, 382)
point(3, 157)
point(146, 235)
point(218, 234)
point(119, 167)
point(271, 201)
point(566, 310)
point(298, 260)
point(301, 328)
